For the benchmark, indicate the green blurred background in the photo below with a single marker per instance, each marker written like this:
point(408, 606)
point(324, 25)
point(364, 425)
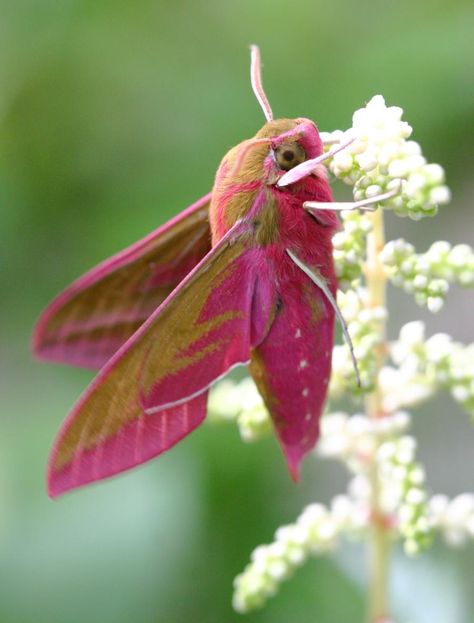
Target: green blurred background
point(114, 115)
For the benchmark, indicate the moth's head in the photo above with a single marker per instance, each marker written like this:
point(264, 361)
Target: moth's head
point(290, 142)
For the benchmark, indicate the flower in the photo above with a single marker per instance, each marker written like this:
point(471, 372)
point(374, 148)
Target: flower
point(383, 159)
point(242, 403)
point(425, 365)
point(349, 247)
point(453, 518)
point(355, 439)
point(428, 275)
point(403, 495)
point(314, 532)
point(363, 323)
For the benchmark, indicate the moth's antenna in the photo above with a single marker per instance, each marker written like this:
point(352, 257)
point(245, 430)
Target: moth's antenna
point(323, 286)
point(256, 81)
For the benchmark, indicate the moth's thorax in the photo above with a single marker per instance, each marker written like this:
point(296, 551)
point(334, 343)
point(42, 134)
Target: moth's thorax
point(246, 180)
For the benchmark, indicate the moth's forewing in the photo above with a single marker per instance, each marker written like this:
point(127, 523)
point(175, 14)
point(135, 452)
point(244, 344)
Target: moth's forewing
point(292, 365)
point(152, 392)
point(89, 449)
point(88, 322)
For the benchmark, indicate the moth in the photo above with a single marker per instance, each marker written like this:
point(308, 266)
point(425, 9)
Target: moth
point(244, 276)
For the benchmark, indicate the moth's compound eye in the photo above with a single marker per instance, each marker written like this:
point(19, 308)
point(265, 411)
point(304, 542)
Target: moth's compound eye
point(288, 155)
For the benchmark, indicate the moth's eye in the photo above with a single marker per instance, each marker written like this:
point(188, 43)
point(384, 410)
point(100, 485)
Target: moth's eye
point(289, 155)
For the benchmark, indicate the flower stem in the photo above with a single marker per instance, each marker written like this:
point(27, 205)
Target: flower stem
point(379, 542)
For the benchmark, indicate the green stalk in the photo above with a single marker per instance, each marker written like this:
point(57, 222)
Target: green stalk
point(379, 545)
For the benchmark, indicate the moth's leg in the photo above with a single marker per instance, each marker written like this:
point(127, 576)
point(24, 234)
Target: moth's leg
point(367, 205)
point(330, 141)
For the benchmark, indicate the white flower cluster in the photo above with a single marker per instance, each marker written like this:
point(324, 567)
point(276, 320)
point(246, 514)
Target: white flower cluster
point(403, 387)
point(349, 247)
point(363, 323)
point(403, 505)
point(382, 159)
point(242, 403)
point(403, 493)
point(427, 275)
point(316, 531)
point(436, 362)
point(354, 440)
point(453, 518)
point(460, 376)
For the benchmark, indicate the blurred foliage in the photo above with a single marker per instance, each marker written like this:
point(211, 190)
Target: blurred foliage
point(113, 116)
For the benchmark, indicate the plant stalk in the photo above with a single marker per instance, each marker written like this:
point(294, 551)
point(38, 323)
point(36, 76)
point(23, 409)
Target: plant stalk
point(379, 545)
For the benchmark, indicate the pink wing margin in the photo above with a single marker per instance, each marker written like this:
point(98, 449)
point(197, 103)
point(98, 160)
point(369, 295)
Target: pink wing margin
point(153, 390)
point(89, 321)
